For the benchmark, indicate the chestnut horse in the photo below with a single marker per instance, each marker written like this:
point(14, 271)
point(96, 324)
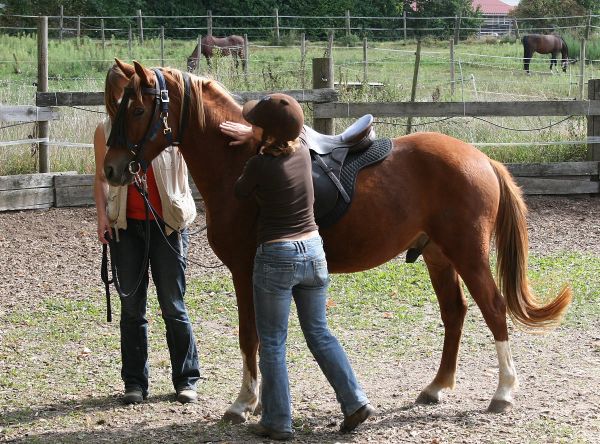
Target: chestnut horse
point(232, 45)
point(432, 189)
point(545, 44)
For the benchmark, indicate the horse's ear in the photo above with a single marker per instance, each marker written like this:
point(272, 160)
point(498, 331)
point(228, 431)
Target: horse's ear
point(145, 75)
point(127, 69)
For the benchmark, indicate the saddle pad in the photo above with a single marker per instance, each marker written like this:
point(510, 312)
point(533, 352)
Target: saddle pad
point(355, 162)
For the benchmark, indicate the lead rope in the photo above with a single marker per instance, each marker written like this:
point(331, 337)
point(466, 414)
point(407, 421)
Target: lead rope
point(141, 186)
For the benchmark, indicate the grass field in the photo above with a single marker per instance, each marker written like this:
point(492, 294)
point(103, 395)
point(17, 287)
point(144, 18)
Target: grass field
point(486, 70)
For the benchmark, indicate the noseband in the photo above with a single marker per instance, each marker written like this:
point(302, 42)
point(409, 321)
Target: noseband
point(160, 116)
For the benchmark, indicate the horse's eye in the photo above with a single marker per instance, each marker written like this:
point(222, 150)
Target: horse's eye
point(138, 111)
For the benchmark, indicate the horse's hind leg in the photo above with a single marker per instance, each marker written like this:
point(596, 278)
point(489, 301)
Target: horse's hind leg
point(453, 308)
point(527, 59)
point(476, 273)
point(553, 61)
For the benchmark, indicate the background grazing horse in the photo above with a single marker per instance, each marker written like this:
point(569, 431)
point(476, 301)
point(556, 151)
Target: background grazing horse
point(545, 44)
point(431, 186)
point(232, 45)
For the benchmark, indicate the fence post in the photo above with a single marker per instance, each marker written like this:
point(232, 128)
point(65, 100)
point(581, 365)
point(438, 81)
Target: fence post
point(581, 68)
point(78, 31)
point(404, 24)
point(140, 26)
point(413, 91)
point(199, 54)
point(246, 57)
point(517, 30)
point(102, 34)
point(277, 25)
point(302, 59)
point(593, 122)
point(209, 24)
point(322, 72)
point(452, 73)
point(457, 20)
point(330, 45)
point(589, 25)
point(347, 23)
point(162, 46)
point(61, 21)
point(42, 86)
point(365, 61)
point(129, 39)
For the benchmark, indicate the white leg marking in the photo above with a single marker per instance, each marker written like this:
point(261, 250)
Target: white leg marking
point(247, 398)
point(507, 375)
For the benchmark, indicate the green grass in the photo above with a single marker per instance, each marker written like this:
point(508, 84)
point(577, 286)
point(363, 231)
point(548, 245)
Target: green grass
point(486, 70)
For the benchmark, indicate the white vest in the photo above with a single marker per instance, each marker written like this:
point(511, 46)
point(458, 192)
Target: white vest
point(171, 173)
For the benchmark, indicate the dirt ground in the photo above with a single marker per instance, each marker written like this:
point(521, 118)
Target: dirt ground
point(559, 400)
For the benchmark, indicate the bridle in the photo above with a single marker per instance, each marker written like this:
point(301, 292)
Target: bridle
point(160, 116)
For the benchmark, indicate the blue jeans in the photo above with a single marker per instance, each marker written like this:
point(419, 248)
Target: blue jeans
point(168, 274)
point(297, 269)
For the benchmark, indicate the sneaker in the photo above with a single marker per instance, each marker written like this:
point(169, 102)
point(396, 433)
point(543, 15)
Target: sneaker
point(187, 395)
point(355, 419)
point(133, 396)
point(265, 432)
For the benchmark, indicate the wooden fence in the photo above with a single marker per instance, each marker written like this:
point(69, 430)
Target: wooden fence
point(60, 189)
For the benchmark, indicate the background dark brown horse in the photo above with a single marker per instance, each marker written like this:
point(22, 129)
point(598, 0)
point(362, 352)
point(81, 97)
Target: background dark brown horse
point(232, 45)
point(545, 44)
point(431, 188)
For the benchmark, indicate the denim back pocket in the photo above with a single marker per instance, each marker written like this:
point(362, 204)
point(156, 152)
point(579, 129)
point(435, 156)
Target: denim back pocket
point(274, 276)
point(320, 272)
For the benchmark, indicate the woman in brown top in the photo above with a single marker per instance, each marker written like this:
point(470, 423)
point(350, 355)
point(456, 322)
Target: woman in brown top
point(289, 263)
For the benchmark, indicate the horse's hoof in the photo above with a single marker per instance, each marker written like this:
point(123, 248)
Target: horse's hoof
point(499, 406)
point(234, 417)
point(427, 398)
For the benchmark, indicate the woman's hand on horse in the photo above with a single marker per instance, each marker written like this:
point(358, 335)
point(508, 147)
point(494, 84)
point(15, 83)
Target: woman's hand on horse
point(104, 230)
point(239, 132)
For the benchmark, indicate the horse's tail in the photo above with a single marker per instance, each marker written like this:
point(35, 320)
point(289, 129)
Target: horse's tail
point(512, 248)
point(524, 40)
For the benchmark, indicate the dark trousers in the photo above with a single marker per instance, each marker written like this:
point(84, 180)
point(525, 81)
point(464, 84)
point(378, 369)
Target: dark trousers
point(168, 274)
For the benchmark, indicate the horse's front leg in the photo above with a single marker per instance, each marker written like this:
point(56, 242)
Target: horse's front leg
point(247, 399)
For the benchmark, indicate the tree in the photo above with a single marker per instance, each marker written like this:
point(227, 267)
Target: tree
point(535, 13)
point(443, 27)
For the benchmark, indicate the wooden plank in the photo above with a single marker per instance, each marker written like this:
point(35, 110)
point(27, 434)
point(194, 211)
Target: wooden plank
point(554, 169)
point(74, 196)
point(23, 181)
point(26, 113)
point(531, 185)
point(454, 109)
point(75, 180)
point(26, 199)
point(74, 191)
point(97, 98)
point(69, 98)
point(303, 96)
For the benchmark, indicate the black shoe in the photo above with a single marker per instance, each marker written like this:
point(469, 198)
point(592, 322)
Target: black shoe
point(260, 430)
point(133, 396)
point(355, 419)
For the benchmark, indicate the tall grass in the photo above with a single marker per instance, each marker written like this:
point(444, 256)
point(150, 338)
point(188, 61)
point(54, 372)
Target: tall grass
point(486, 70)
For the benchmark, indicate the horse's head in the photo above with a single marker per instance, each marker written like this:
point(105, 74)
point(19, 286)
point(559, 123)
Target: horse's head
point(192, 63)
point(141, 127)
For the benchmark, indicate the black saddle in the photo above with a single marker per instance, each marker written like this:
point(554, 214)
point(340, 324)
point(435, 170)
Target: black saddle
point(336, 161)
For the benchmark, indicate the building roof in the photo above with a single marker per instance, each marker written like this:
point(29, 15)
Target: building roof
point(492, 6)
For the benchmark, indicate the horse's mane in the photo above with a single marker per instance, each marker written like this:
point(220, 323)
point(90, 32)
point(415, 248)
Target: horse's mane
point(211, 116)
